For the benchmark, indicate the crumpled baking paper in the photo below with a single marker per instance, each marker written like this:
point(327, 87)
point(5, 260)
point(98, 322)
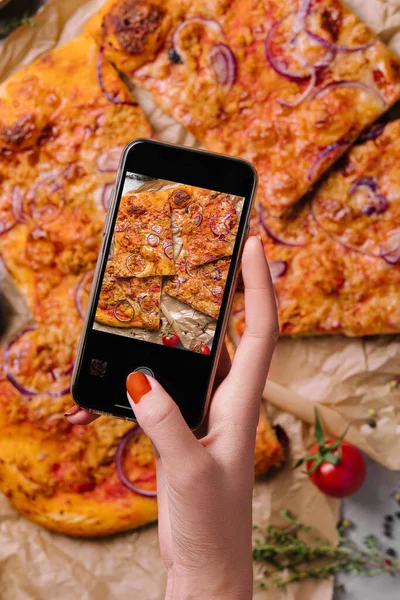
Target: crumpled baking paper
point(346, 378)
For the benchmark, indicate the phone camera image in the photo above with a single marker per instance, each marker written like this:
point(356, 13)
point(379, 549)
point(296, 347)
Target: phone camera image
point(167, 264)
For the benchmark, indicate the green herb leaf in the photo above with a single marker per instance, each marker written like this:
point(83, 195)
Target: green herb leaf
point(319, 434)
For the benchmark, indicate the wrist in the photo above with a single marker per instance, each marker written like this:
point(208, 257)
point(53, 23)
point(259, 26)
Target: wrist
point(234, 584)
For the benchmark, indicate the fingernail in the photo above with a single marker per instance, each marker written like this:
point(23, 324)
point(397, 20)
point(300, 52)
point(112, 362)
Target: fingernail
point(72, 411)
point(137, 386)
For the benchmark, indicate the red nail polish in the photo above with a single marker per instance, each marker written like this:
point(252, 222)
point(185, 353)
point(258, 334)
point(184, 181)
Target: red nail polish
point(72, 411)
point(137, 386)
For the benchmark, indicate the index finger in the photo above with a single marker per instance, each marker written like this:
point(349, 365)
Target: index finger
point(239, 397)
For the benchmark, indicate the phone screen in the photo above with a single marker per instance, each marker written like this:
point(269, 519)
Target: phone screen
point(167, 266)
point(168, 263)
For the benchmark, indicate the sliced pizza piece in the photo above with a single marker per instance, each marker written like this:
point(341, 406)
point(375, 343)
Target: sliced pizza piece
point(287, 85)
point(335, 259)
point(129, 302)
point(200, 287)
point(207, 223)
point(62, 131)
point(143, 236)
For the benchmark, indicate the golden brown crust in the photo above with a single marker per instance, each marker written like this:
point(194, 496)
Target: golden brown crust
point(250, 114)
point(134, 29)
point(130, 302)
point(56, 130)
point(207, 223)
point(143, 236)
point(336, 279)
point(201, 287)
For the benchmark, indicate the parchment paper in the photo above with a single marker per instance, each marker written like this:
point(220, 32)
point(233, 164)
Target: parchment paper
point(346, 377)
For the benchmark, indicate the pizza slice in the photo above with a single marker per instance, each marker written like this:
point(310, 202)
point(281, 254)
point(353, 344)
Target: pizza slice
point(63, 124)
point(130, 302)
point(335, 259)
point(200, 287)
point(207, 223)
point(143, 236)
point(287, 85)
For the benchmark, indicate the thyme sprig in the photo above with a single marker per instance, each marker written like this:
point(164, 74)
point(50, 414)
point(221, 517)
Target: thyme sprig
point(298, 554)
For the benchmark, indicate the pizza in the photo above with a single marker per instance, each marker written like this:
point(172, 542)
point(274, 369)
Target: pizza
point(287, 85)
point(129, 302)
point(207, 223)
point(335, 259)
point(201, 287)
point(143, 236)
point(64, 121)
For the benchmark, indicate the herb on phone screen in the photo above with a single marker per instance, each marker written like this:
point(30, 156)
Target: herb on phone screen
point(303, 555)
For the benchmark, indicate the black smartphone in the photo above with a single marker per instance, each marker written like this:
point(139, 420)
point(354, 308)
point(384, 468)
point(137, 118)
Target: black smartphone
point(164, 280)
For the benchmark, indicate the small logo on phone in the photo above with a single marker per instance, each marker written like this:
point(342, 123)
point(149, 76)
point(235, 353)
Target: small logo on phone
point(98, 368)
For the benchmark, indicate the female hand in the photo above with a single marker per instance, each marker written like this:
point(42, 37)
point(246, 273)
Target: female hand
point(204, 487)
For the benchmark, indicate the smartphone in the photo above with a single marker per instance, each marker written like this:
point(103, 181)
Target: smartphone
point(165, 276)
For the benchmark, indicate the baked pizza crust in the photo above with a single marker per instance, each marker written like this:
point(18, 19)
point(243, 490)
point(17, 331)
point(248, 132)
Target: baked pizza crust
point(61, 136)
point(143, 236)
point(201, 287)
point(207, 223)
point(130, 302)
point(223, 78)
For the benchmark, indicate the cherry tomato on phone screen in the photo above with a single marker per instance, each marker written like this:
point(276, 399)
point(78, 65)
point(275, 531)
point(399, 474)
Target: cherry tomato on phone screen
point(170, 339)
point(336, 467)
point(203, 349)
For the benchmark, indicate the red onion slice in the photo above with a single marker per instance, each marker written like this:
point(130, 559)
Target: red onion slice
point(18, 386)
point(108, 160)
point(106, 195)
point(306, 92)
point(82, 288)
point(379, 202)
point(337, 239)
point(278, 268)
point(153, 240)
point(224, 64)
point(118, 465)
point(117, 306)
point(135, 264)
point(217, 291)
point(210, 23)
point(325, 153)
point(156, 229)
point(390, 249)
point(50, 211)
point(336, 47)
point(11, 214)
point(168, 250)
point(277, 238)
point(110, 97)
point(349, 84)
point(188, 268)
point(144, 300)
point(279, 65)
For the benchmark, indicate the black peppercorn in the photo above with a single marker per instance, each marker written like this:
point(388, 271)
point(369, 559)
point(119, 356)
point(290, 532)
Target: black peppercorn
point(174, 57)
point(372, 423)
point(389, 518)
point(391, 552)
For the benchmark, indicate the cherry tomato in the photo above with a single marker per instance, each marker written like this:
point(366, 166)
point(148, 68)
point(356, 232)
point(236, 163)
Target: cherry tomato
point(342, 479)
point(203, 349)
point(170, 339)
